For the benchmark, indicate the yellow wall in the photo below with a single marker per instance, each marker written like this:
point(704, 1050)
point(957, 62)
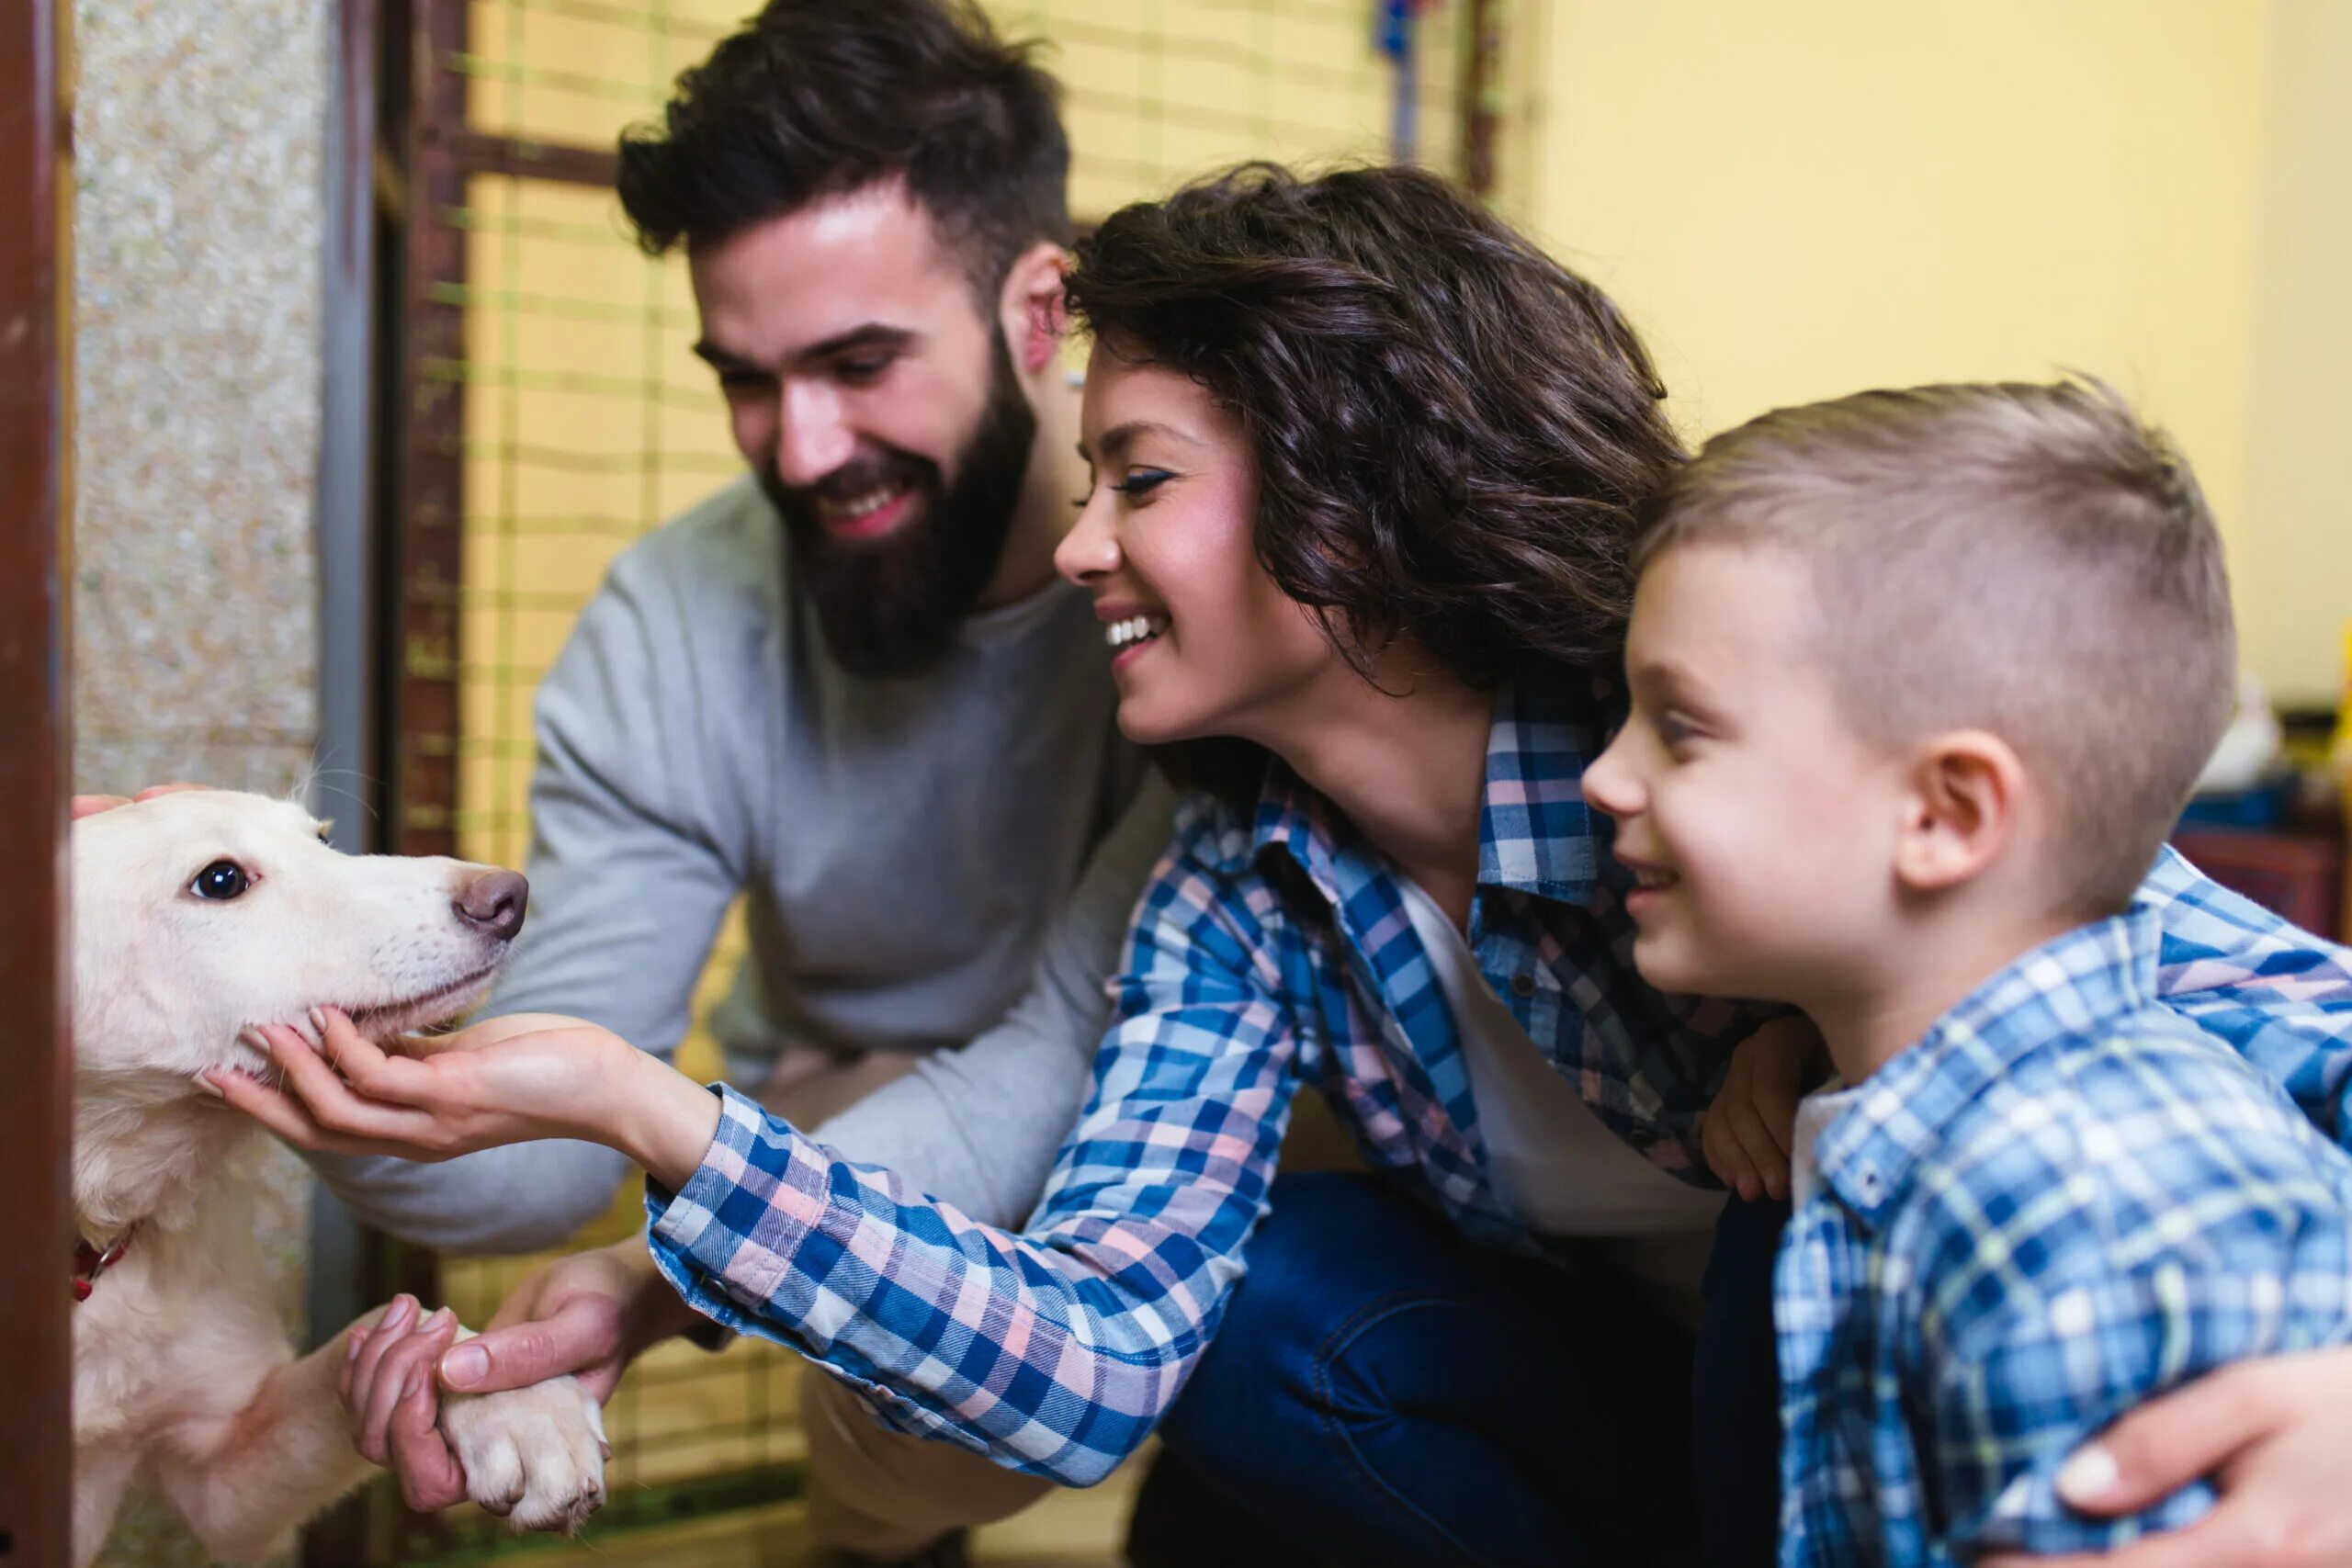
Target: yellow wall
point(1800, 199)
point(2294, 572)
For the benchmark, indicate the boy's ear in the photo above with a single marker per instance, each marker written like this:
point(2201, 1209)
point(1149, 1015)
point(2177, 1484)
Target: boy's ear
point(1031, 310)
point(1960, 809)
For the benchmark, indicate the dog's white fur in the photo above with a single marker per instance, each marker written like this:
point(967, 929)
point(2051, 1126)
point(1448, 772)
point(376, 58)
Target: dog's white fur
point(181, 1373)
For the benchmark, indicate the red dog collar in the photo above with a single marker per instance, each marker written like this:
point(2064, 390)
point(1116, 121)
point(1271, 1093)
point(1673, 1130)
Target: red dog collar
point(89, 1262)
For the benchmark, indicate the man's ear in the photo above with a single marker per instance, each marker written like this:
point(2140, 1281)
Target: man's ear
point(1961, 803)
point(1031, 310)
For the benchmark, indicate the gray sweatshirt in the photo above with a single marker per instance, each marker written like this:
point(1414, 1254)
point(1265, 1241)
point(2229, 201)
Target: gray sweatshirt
point(946, 860)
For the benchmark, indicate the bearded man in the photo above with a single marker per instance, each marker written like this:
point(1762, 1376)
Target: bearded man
point(847, 688)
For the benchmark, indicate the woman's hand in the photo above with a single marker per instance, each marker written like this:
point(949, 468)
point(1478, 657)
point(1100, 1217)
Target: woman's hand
point(507, 1080)
point(1747, 1132)
point(504, 1080)
point(2272, 1435)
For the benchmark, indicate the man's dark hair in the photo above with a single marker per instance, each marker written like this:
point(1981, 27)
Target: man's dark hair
point(816, 98)
point(1452, 432)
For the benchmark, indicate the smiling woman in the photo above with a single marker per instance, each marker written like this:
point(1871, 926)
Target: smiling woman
point(1446, 453)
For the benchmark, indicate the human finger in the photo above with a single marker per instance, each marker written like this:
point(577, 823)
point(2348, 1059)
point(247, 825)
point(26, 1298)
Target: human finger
point(2170, 1441)
point(1766, 1157)
point(403, 1363)
point(336, 1105)
point(367, 1347)
point(581, 1335)
point(377, 1379)
point(277, 1111)
point(431, 1477)
point(1725, 1157)
point(364, 1065)
point(1776, 1111)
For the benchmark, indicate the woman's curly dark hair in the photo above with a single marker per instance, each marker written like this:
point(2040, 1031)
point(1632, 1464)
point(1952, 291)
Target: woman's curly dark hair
point(1453, 432)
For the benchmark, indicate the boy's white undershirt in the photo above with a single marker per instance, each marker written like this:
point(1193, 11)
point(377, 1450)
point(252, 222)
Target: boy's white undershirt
point(1815, 1112)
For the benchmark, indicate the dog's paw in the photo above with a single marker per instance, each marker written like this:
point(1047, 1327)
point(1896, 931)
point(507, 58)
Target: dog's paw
point(535, 1455)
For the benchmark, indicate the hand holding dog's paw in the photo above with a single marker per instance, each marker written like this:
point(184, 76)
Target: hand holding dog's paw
point(533, 1455)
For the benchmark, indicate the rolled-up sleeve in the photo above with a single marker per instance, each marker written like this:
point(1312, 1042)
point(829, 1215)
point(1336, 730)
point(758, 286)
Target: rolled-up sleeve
point(1056, 1350)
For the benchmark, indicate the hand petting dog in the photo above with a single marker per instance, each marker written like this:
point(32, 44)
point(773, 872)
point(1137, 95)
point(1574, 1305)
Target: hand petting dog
point(504, 1080)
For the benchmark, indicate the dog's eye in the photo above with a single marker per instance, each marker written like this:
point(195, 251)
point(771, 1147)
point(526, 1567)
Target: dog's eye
point(221, 879)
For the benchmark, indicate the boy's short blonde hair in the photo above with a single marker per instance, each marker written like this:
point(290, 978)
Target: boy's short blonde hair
point(2029, 560)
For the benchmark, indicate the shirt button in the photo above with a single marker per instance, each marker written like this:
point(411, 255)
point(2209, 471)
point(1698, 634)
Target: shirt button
point(1522, 985)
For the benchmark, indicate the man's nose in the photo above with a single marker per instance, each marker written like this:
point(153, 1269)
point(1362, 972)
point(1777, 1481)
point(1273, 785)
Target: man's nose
point(812, 439)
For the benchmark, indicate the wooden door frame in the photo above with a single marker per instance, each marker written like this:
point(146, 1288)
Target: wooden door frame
point(36, 1354)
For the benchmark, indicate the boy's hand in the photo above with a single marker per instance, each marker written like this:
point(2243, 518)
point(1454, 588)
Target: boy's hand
point(1747, 1132)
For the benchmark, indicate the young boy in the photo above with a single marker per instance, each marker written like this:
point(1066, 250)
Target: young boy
point(1919, 681)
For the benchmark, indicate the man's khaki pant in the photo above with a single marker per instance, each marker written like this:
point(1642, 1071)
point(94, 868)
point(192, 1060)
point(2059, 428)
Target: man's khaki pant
point(877, 1491)
point(888, 1494)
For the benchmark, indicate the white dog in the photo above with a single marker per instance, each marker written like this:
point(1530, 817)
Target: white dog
point(197, 914)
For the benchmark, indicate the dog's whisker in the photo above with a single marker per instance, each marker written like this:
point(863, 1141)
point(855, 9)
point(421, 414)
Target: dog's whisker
point(313, 787)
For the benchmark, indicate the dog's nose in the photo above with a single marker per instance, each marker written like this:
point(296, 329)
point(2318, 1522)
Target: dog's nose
point(493, 902)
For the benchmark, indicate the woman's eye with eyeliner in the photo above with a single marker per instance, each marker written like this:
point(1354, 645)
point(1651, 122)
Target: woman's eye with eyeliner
point(1143, 482)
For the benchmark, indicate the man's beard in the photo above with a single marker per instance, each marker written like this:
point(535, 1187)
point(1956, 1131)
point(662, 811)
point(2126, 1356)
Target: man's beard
point(892, 606)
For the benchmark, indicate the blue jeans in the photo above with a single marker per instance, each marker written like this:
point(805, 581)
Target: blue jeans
point(1381, 1391)
point(1736, 1389)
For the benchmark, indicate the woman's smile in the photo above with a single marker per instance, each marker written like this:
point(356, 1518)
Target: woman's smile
point(1129, 630)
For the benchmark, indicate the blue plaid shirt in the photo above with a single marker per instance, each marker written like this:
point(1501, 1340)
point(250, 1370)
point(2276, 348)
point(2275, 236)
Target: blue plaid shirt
point(2063, 1200)
point(1272, 948)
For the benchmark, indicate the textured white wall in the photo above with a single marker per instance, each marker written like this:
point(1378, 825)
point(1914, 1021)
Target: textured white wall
point(197, 277)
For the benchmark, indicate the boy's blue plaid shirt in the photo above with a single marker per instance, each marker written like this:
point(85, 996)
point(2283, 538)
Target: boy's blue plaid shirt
point(2064, 1201)
point(1264, 954)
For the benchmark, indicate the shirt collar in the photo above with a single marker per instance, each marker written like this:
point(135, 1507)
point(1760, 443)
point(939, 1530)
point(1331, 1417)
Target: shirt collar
point(2070, 986)
point(1535, 833)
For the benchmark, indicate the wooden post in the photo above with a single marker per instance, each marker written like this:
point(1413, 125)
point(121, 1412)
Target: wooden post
point(36, 1349)
point(1482, 55)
